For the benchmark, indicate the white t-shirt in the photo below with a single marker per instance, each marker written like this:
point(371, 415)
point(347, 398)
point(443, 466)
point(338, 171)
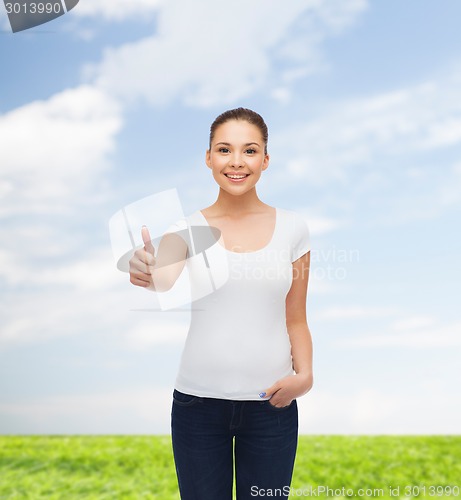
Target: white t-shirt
point(238, 344)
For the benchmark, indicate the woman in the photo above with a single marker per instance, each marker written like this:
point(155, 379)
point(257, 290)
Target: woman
point(248, 353)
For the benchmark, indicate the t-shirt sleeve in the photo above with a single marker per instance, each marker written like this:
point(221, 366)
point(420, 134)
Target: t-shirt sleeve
point(177, 227)
point(301, 243)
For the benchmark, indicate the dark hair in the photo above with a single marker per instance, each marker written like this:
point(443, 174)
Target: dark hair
point(241, 114)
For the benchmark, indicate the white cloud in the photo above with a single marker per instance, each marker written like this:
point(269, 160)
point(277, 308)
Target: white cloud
point(53, 150)
point(361, 411)
point(98, 413)
point(117, 10)
point(103, 303)
point(54, 264)
point(378, 150)
point(413, 322)
point(354, 312)
point(37, 316)
point(282, 95)
point(419, 331)
point(319, 224)
point(53, 158)
point(356, 133)
point(210, 53)
point(146, 334)
point(427, 336)
point(366, 410)
point(58, 288)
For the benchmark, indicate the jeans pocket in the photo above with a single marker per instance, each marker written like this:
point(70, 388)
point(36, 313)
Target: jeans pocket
point(182, 399)
point(275, 408)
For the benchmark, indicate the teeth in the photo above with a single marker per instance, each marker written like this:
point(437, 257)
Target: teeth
point(236, 176)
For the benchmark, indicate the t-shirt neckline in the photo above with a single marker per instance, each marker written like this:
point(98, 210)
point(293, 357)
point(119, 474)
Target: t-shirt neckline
point(255, 251)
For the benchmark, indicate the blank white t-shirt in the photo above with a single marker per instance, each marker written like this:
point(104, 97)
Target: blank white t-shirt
point(237, 344)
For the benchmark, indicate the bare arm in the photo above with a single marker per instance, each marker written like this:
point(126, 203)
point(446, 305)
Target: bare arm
point(285, 390)
point(298, 330)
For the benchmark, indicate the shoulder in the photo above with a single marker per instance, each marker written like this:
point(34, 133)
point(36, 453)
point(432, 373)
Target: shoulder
point(177, 225)
point(296, 231)
point(185, 221)
point(292, 216)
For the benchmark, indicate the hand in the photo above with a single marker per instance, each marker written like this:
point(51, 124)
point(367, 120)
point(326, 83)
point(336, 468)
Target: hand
point(288, 388)
point(142, 262)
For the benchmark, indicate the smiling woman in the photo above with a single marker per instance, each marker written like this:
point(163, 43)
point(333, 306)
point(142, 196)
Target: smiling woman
point(237, 155)
point(248, 353)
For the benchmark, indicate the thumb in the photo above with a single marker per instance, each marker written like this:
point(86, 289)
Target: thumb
point(147, 241)
point(267, 393)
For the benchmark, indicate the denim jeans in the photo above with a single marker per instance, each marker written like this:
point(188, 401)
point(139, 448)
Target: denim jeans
point(210, 436)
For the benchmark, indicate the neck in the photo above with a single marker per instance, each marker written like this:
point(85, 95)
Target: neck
point(229, 204)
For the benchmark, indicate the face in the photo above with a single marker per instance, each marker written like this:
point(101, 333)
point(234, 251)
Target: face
point(237, 148)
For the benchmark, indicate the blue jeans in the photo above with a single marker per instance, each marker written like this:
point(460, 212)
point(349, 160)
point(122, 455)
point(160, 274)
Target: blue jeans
point(203, 431)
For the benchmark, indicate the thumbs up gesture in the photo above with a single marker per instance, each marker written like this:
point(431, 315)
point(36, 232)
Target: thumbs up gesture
point(148, 247)
point(142, 262)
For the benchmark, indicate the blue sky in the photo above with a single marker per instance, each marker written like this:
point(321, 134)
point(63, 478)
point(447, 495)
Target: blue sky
point(113, 102)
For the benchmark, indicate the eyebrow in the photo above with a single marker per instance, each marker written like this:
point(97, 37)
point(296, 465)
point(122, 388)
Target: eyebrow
point(247, 144)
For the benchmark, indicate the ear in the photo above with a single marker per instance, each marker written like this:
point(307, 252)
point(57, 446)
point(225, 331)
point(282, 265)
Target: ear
point(266, 162)
point(208, 158)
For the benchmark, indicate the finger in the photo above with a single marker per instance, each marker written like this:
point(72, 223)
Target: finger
point(267, 393)
point(141, 276)
point(139, 282)
point(142, 260)
point(147, 240)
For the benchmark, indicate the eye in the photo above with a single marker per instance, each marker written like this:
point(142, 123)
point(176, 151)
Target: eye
point(223, 150)
point(251, 151)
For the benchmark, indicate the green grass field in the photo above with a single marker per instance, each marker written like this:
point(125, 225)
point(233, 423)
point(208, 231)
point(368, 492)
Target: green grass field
point(142, 467)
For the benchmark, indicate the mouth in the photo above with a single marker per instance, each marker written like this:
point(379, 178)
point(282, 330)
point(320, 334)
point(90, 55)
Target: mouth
point(236, 177)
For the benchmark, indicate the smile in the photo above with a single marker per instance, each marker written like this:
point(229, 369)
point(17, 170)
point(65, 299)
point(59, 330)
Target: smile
point(237, 177)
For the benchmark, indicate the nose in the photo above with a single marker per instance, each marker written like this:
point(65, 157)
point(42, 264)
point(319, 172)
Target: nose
point(236, 160)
